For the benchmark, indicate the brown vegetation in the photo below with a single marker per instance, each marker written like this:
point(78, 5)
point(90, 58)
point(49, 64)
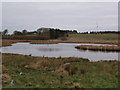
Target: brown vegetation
point(63, 65)
point(5, 78)
point(25, 37)
point(98, 48)
point(78, 85)
point(72, 38)
point(6, 42)
point(4, 69)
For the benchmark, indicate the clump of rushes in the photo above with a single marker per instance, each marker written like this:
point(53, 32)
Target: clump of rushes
point(99, 48)
point(5, 78)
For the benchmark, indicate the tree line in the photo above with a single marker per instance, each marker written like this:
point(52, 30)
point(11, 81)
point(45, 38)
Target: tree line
point(26, 32)
point(101, 32)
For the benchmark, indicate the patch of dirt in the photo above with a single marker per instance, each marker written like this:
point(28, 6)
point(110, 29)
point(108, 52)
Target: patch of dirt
point(78, 85)
point(5, 78)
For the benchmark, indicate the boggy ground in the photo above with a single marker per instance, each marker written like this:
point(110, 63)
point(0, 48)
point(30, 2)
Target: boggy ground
point(22, 71)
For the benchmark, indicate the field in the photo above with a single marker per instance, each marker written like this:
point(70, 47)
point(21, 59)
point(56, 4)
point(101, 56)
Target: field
point(26, 37)
point(95, 36)
point(22, 71)
point(72, 38)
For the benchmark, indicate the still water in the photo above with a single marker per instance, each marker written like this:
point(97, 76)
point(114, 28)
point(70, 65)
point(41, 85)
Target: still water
point(57, 50)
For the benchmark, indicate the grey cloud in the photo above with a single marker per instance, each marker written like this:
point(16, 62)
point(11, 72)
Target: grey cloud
point(0, 16)
point(80, 16)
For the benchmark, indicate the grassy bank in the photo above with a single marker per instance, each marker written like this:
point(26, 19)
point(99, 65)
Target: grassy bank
point(6, 42)
point(22, 71)
point(99, 48)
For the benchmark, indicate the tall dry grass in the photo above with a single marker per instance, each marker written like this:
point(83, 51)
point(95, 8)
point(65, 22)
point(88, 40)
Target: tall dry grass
point(99, 48)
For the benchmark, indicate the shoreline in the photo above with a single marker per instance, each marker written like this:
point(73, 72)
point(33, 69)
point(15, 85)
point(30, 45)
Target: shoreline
point(72, 38)
point(61, 57)
point(10, 42)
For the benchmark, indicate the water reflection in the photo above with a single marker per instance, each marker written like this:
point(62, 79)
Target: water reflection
point(57, 50)
point(48, 49)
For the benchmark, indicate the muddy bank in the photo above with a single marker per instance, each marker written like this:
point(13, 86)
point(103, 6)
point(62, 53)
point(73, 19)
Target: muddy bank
point(6, 42)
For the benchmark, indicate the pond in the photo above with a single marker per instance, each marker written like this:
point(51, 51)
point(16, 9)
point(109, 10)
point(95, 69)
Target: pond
point(59, 50)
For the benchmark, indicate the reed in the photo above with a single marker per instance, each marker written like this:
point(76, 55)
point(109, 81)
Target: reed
point(25, 37)
point(99, 48)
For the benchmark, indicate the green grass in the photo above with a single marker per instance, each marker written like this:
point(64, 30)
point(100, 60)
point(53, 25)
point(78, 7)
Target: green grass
point(79, 73)
point(95, 36)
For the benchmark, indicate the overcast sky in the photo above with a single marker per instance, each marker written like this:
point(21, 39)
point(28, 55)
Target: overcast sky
point(81, 16)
